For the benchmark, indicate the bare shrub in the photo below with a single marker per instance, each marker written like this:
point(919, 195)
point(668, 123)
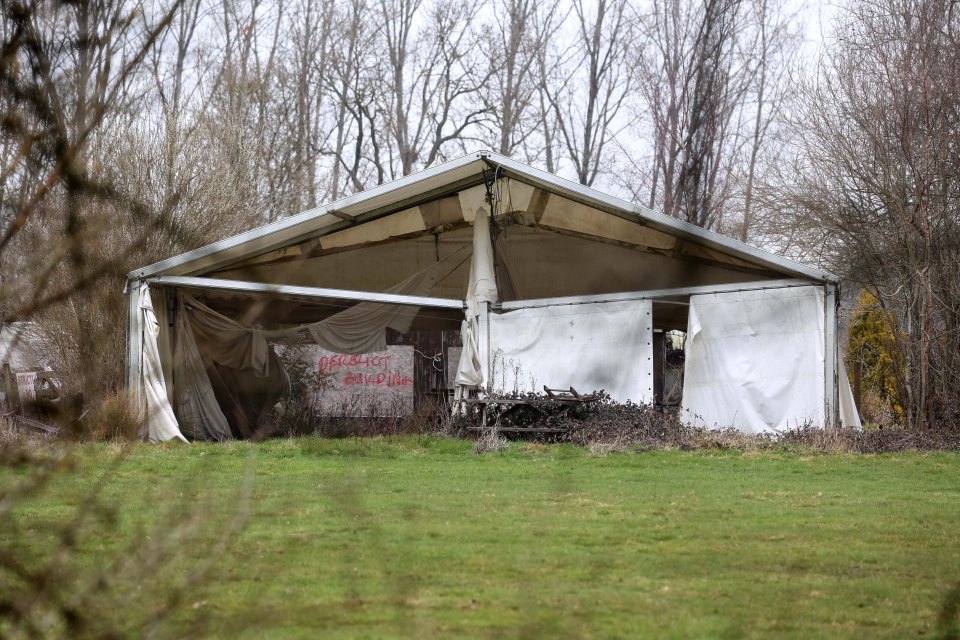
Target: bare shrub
point(626, 424)
point(489, 440)
point(301, 412)
point(111, 419)
point(453, 425)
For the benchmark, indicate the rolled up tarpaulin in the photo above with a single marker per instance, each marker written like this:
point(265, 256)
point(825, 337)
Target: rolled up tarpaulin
point(482, 287)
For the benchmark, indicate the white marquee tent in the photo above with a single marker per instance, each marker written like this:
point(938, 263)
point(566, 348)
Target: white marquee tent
point(526, 269)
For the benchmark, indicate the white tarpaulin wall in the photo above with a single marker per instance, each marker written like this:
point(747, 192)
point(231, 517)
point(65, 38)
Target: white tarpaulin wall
point(586, 346)
point(755, 359)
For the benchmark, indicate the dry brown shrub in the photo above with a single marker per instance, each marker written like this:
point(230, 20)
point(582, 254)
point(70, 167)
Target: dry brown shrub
point(112, 419)
point(16, 442)
point(626, 425)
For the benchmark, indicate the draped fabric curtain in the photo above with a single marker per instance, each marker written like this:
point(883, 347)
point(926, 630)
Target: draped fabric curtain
point(197, 406)
point(229, 378)
point(160, 423)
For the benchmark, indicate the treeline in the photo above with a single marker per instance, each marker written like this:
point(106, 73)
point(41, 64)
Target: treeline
point(134, 130)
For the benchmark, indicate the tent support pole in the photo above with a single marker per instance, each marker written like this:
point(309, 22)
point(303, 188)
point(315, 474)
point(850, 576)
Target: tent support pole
point(486, 362)
point(830, 301)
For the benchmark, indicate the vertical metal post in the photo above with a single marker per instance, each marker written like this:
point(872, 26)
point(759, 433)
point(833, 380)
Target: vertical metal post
point(831, 399)
point(651, 361)
point(483, 340)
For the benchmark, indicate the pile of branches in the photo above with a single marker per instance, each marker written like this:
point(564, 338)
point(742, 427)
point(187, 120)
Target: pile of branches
point(869, 440)
point(547, 413)
point(643, 426)
point(606, 425)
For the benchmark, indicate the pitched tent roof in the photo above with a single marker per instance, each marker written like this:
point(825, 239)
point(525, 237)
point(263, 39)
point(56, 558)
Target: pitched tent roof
point(562, 239)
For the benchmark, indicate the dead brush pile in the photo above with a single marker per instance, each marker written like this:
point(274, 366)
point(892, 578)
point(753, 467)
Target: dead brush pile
point(608, 426)
point(880, 440)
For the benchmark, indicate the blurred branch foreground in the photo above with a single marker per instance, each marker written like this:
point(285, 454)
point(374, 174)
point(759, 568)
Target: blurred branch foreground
point(48, 586)
point(74, 215)
point(71, 77)
point(131, 131)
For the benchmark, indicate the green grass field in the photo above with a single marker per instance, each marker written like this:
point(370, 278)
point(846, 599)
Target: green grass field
point(420, 538)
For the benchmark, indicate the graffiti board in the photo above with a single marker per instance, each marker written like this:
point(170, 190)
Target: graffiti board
point(26, 386)
point(368, 384)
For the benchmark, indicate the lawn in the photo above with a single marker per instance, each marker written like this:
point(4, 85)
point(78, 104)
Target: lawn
point(420, 538)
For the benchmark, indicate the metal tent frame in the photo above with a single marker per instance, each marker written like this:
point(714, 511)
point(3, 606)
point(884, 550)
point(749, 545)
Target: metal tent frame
point(189, 269)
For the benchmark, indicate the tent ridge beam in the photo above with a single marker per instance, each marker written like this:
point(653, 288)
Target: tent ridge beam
point(656, 293)
point(242, 286)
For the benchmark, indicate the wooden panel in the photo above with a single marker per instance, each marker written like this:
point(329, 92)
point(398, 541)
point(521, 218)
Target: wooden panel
point(431, 358)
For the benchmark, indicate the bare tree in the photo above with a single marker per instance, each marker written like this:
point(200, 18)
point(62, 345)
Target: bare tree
point(593, 87)
point(874, 187)
point(303, 98)
point(174, 87)
point(711, 79)
point(69, 70)
point(549, 60)
point(247, 101)
point(662, 68)
point(776, 46)
point(349, 81)
point(713, 97)
point(430, 99)
point(515, 41)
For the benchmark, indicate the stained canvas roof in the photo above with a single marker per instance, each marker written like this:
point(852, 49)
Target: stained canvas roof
point(417, 218)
